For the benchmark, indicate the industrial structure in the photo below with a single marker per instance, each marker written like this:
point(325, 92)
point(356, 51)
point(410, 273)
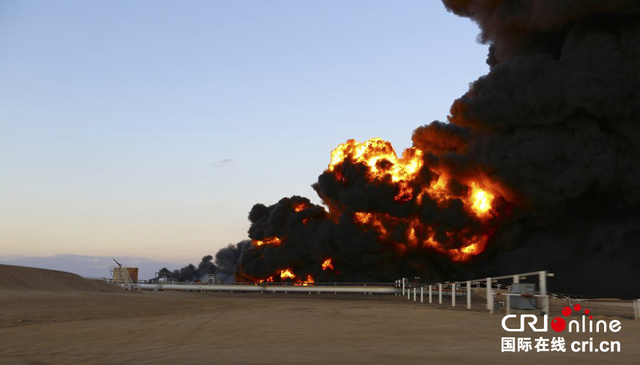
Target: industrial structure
point(123, 275)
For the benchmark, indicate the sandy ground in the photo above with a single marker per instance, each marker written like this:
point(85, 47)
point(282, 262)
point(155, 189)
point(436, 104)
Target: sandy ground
point(97, 325)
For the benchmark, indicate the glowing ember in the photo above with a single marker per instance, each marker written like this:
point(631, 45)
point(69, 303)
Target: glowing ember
point(327, 265)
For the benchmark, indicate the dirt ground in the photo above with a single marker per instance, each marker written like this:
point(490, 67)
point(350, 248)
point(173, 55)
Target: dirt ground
point(86, 323)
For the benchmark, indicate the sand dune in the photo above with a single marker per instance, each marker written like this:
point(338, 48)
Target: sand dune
point(27, 278)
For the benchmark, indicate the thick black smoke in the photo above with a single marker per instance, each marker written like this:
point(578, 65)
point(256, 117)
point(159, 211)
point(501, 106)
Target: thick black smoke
point(312, 237)
point(556, 123)
point(552, 129)
point(190, 272)
point(227, 260)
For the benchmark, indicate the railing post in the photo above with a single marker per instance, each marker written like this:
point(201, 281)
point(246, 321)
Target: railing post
point(489, 296)
point(468, 295)
point(453, 294)
point(542, 279)
point(422, 294)
point(414, 293)
point(440, 293)
point(430, 296)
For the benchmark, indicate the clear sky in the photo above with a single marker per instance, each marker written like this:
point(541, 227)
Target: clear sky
point(150, 128)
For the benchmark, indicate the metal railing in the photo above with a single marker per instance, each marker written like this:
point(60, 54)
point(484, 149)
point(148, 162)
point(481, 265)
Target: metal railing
point(451, 288)
point(490, 289)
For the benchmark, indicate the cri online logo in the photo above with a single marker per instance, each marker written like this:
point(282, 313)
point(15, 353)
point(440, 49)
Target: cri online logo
point(558, 324)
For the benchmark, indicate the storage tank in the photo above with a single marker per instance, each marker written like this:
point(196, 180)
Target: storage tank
point(125, 275)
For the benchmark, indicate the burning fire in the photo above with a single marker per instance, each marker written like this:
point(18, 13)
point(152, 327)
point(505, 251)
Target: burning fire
point(425, 209)
point(299, 207)
point(382, 163)
point(480, 192)
point(481, 200)
point(382, 160)
point(307, 282)
point(287, 274)
point(267, 241)
point(327, 265)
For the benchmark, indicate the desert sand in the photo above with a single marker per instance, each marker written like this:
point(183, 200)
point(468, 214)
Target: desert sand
point(51, 317)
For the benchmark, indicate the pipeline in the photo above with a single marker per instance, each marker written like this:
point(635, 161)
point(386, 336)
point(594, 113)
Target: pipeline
point(267, 288)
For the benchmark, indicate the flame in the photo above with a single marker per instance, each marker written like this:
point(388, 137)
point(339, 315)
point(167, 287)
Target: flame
point(307, 282)
point(299, 207)
point(405, 192)
point(481, 199)
point(434, 205)
point(412, 237)
point(267, 241)
point(436, 190)
point(382, 160)
point(474, 246)
point(459, 245)
point(287, 274)
point(382, 163)
point(373, 220)
point(327, 264)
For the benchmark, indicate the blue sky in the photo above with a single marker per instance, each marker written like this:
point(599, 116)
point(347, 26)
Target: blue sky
point(150, 128)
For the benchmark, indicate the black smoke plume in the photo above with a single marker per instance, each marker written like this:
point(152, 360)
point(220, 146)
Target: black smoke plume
point(556, 123)
point(552, 130)
point(190, 272)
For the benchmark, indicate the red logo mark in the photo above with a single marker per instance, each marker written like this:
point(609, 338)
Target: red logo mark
point(558, 324)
